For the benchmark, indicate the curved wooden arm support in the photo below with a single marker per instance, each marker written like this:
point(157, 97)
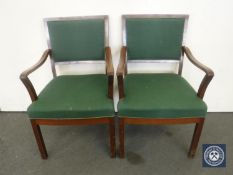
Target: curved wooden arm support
point(122, 67)
point(209, 73)
point(24, 75)
point(109, 71)
point(121, 72)
point(108, 59)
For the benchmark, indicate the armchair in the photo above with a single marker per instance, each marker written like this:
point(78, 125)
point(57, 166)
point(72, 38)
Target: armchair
point(158, 98)
point(74, 99)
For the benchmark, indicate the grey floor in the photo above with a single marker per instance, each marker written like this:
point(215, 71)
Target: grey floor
point(84, 149)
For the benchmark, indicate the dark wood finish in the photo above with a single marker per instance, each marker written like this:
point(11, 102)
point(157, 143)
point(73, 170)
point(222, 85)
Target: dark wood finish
point(109, 71)
point(199, 121)
point(108, 59)
point(122, 67)
point(122, 137)
point(53, 68)
point(195, 139)
point(39, 139)
point(203, 86)
point(112, 138)
point(121, 90)
point(152, 121)
point(63, 121)
point(209, 73)
point(89, 121)
point(24, 76)
point(121, 72)
point(158, 121)
point(110, 86)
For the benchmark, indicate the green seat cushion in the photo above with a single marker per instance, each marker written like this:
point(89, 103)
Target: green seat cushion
point(73, 96)
point(160, 96)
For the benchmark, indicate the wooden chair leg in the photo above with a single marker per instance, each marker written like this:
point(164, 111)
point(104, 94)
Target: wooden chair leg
point(195, 139)
point(39, 139)
point(112, 138)
point(121, 138)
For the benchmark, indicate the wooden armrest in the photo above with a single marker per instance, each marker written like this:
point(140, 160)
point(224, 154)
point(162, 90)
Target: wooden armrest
point(121, 69)
point(109, 71)
point(209, 73)
point(108, 58)
point(24, 75)
point(121, 72)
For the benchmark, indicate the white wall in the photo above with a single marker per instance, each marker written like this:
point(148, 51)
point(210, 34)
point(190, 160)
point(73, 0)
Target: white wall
point(22, 41)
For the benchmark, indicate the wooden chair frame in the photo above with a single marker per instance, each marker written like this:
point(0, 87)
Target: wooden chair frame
point(110, 121)
point(122, 72)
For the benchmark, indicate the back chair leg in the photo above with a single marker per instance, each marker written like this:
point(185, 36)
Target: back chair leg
point(39, 139)
point(112, 137)
point(195, 139)
point(121, 138)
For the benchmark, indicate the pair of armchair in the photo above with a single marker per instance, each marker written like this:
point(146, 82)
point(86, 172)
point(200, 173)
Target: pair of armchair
point(163, 98)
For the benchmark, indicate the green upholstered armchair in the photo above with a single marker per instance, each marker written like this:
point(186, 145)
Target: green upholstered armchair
point(74, 99)
point(158, 98)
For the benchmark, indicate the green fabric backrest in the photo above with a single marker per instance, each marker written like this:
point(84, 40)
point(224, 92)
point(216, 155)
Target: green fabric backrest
point(77, 40)
point(154, 38)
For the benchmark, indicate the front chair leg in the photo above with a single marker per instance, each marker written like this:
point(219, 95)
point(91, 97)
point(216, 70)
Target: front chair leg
point(195, 139)
point(39, 139)
point(121, 138)
point(112, 137)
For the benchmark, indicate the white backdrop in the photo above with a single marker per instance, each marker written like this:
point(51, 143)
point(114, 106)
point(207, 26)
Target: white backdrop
point(22, 41)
